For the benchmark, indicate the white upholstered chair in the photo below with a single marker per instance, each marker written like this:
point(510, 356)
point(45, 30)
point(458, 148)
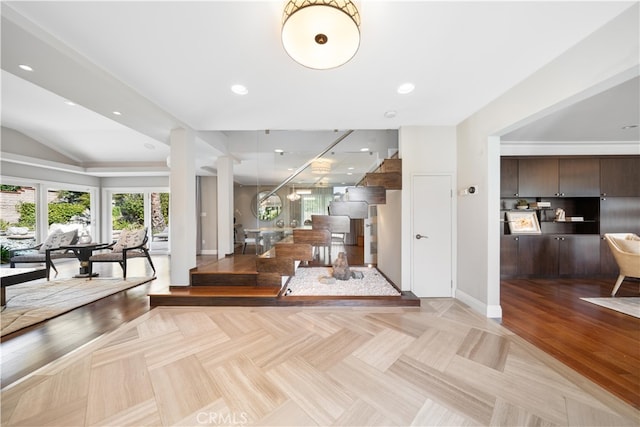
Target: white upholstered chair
point(252, 238)
point(626, 251)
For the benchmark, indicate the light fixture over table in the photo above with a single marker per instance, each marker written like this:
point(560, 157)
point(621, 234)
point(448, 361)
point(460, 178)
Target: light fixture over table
point(321, 167)
point(321, 34)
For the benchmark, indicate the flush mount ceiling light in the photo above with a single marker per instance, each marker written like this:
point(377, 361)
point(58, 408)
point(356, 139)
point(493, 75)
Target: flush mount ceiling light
point(406, 88)
point(320, 167)
point(239, 90)
point(321, 34)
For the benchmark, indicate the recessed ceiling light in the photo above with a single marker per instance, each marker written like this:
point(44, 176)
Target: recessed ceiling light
point(25, 67)
point(390, 114)
point(351, 168)
point(406, 88)
point(364, 149)
point(349, 173)
point(70, 103)
point(117, 113)
point(279, 150)
point(629, 127)
point(239, 90)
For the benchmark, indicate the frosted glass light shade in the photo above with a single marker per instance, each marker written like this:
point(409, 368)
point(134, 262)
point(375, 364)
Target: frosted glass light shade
point(321, 34)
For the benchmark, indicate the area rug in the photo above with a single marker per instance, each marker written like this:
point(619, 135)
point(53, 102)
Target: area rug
point(32, 302)
point(306, 282)
point(626, 305)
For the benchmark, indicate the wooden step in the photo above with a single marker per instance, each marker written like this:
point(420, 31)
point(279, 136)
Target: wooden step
point(354, 210)
point(238, 270)
point(391, 165)
point(388, 180)
point(224, 279)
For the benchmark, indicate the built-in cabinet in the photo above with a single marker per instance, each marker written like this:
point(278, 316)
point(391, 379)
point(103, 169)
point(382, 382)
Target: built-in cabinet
point(603, 191)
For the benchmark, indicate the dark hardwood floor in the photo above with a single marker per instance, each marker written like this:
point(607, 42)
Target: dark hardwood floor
point(601, 344)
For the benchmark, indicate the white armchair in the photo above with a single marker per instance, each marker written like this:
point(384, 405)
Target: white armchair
point(626, 251)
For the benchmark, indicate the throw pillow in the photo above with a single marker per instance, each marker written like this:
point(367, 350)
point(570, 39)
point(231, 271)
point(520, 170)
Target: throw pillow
point(128, 239)
point(630, 246)
point(69, 238)
point(52, 241)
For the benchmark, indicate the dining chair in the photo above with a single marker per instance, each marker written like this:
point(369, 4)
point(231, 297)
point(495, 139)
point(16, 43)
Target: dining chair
point(252, 238)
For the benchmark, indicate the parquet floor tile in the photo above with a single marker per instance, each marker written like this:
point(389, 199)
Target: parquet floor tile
point(440, 364)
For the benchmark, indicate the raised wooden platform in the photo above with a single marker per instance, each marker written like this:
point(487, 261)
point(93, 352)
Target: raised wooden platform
point(235, 281)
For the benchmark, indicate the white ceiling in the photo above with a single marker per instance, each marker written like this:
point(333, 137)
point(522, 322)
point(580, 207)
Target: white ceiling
point(169, 64)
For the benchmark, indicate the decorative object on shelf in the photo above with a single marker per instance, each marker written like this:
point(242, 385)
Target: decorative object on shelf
point(560, 214)
point(280, 223)
point(294, 223)
point(523, 223)
point(321, 34)
point(539, 205)
point(522, 204)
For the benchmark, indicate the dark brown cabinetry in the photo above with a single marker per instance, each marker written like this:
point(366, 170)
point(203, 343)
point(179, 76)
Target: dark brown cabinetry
point(620, 177)
point(603, 191)
point(552, 177)
point(508, 177)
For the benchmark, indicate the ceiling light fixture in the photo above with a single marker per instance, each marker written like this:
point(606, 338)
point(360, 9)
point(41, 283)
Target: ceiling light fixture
point(390, 114)
point(320, 167)
point(321, 34)
point(293, 196)
point(627, 127)
point(117, 113)
point(406, 88)
point(25, 67)
point(240, 90)
point(70, 103)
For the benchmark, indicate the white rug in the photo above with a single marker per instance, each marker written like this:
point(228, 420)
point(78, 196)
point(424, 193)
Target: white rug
point(626, 305)
point(32, 302)
point(306, 283)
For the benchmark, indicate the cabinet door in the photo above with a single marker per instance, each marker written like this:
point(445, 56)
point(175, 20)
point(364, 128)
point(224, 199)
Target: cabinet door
point(608, 265)
point(619, 215)
point(538, 177)
point(509, 256)
point(579, 177)
point(620, 177)
point(537, 256)
point(508, 177)
point(579, 255)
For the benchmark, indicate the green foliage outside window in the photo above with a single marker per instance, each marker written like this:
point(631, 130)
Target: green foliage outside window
point(128, 211)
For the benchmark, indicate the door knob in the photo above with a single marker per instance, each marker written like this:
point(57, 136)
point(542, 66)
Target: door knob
point(419, 236)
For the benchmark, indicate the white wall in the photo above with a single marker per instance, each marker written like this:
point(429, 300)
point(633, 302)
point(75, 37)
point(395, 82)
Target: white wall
point(606, 58)
point(389, 245)
point(423, 149)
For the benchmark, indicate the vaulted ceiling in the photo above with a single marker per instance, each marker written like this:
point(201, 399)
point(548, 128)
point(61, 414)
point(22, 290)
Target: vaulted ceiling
point(167, 64)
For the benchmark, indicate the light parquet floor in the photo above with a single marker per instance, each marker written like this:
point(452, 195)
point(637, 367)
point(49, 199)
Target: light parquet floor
point(438, 364)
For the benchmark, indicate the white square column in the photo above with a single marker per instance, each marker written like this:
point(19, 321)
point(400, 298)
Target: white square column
point(225, 206)
point(182, 210)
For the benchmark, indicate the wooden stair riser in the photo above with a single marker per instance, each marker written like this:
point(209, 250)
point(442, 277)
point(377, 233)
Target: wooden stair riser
point(224, 279)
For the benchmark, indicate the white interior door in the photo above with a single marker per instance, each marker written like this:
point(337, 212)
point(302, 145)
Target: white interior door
point(431, 201)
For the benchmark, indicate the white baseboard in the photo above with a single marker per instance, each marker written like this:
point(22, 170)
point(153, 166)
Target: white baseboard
point(209, 252)
point(491, 311)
